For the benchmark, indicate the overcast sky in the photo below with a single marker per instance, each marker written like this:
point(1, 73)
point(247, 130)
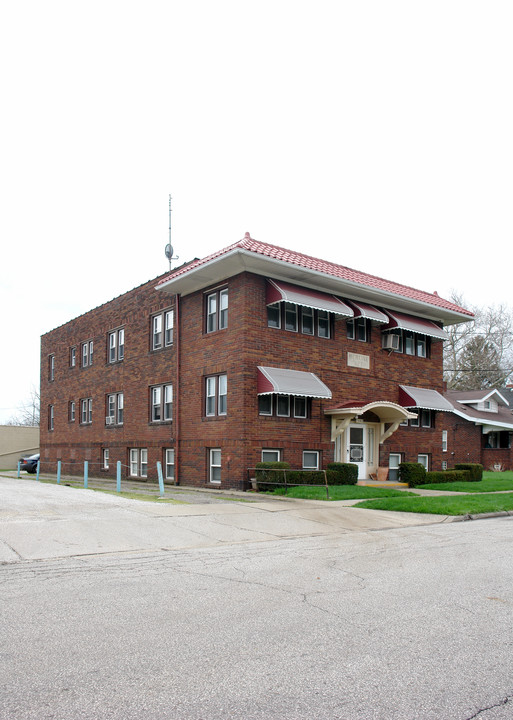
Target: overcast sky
point(375, 134)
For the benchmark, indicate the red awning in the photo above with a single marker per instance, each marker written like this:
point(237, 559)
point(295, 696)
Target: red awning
point(416, 325)
point(369, 312)
point(423, 398)
point(278, 291)
point(282, 381)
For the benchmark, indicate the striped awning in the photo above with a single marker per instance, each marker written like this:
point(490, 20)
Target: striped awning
point(278, 291)
point(416, 325)
point(369, 312)
point(282, 381)
point(423, 398)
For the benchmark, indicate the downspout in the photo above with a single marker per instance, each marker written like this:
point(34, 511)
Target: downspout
point(177, 394)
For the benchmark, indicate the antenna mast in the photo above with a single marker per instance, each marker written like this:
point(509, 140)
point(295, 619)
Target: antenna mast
point(169, 248)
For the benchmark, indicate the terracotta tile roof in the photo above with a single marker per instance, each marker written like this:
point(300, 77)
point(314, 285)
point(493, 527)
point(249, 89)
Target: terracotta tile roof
point(323, 266)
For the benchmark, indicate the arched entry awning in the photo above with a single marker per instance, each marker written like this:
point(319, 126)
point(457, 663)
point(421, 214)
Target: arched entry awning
point(390, 415)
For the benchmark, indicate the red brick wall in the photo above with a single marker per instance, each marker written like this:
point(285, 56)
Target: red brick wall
point(236, 351)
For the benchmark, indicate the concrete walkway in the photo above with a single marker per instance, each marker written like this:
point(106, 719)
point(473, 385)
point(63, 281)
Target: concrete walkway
point(41, 520)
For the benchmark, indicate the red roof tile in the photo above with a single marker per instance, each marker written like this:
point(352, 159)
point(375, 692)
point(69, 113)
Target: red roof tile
point(323, 266)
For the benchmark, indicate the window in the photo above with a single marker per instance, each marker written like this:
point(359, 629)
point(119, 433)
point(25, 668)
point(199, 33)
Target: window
point(51, 368)
point(296, 317)
point(161, 403)
point(310, 459)
point(323, 323)
point(50, 417)
point(274, 315)
point(86, 411)
point(169, 463)
point(105, 458)
point(87, 353)
point(71, 411)
point(358, 329)
point(72, 357)
point(162, 326)
point(217, 310)
point(394, 460)
point(423, 459)
point(138, 462)
point(271, 455)
point(407, 342)
point(115, 407)
point(116, 345)
point(444, 440)
point(215, 465)
point(290, 317)
point(426, 418)
point(216, 394)
point(283, 405)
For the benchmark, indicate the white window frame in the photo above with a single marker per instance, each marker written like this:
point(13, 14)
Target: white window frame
point(51, 418)
point(115, 403)
point(297, 399)
point(445, 437)
point(51, 368)
point(214, 465)
point(316, 463)
point(162, 328)
point(423, 459)
point(323, 321)
point(274, 315)
point(138, 462)
point(309, 313)
point(73, 356)
point(71, 411)
point(266, 452)
point(169, 463)
point(291, 313)
point(161, 403)
point(105, 458)
point(216, 309)
point(116, 345)
point(267, 399)
point(87, 353)
point(216, 395)
point(86, 411)
point(280, 399)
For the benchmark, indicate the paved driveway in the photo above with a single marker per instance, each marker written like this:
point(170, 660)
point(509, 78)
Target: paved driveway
point(39, 520)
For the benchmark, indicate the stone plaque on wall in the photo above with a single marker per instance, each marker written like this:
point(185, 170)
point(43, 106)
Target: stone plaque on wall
point(358, 361)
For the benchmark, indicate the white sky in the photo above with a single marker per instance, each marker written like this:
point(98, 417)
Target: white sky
point(378, 135)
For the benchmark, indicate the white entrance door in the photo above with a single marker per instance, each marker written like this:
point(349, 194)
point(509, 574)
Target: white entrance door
point(357, 449)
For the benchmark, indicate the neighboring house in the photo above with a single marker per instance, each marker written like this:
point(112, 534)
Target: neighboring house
point(479, 429)
point(16, 441)
point(252, 353)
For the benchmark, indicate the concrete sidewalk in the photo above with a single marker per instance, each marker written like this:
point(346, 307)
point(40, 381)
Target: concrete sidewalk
point(41, 520)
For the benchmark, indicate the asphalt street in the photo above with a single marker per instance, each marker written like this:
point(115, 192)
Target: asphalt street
point(374, 621)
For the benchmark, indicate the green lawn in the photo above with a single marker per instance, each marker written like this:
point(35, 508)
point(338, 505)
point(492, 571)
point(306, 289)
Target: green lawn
point(443, 505)
point(339, 492)
point(491, 482)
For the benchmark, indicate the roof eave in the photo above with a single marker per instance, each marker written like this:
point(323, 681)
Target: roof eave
point(240, 260)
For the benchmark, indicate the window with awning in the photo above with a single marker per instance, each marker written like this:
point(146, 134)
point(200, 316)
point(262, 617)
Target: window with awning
point(298, 383)
point(421, 326)
point(278, 291)
point(423, 398)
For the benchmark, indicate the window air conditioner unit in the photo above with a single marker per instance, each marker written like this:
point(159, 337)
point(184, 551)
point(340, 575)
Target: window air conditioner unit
point(391, 341)
point(109, 420)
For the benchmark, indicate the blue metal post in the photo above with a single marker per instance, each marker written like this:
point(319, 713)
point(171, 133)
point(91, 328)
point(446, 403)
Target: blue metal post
point(19, 465)
point(58, 471)
point(161, 479)
point(86, 473)
point(118, 476)
point(38, 466)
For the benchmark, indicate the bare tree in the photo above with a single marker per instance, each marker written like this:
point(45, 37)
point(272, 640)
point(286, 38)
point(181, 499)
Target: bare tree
point(28, 413)
point(479, 354)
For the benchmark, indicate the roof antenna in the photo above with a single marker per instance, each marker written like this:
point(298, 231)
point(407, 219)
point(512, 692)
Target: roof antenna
point(169, 248)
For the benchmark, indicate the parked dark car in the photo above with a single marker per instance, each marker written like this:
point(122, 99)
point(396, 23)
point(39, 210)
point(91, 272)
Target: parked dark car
point(29, 463)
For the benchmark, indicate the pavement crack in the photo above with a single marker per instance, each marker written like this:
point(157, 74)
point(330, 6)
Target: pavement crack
point(500, 703)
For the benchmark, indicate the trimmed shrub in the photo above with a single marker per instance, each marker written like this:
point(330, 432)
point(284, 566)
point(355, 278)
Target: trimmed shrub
point(475, 470)
point(305, 477)
point(447, 476)
point(412, 473)
point(267, 477)
point(342, 473)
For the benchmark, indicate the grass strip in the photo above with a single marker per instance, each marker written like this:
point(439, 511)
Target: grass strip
point(443, 505)
point(339, 492)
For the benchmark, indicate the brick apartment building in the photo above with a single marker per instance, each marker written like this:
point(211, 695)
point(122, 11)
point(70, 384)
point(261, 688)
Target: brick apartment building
point(252, 353)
